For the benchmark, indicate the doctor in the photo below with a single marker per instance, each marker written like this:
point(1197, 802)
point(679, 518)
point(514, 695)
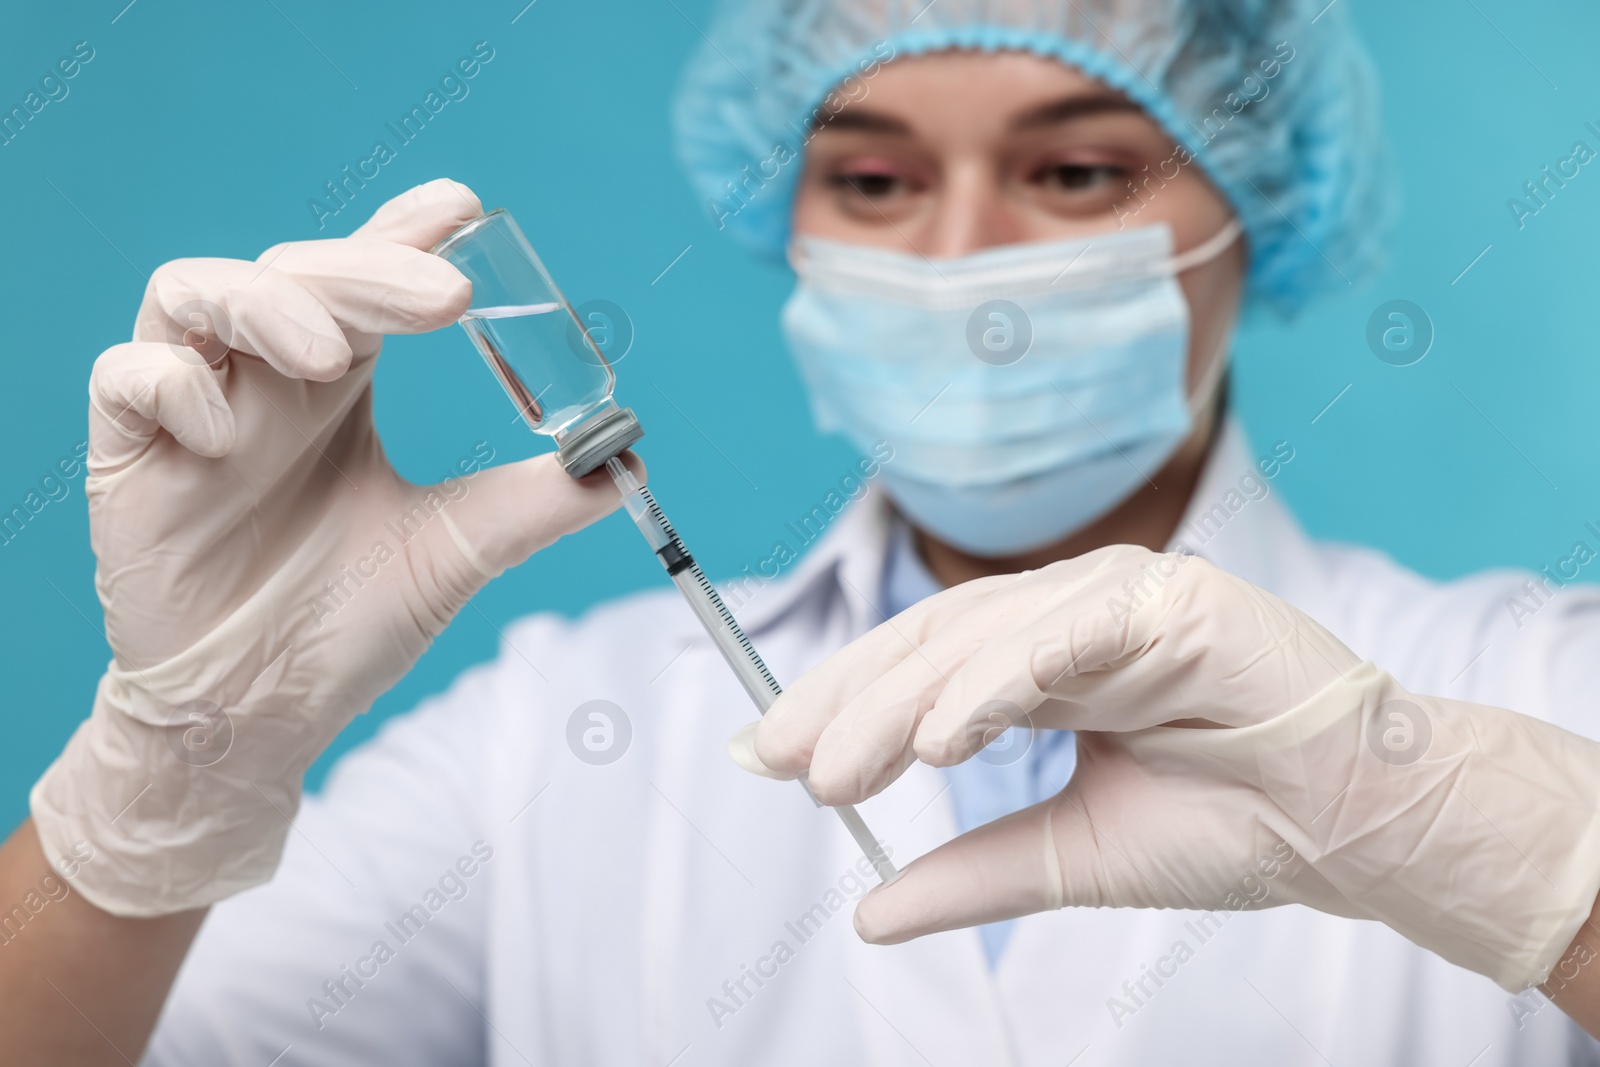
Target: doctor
point(482, 885)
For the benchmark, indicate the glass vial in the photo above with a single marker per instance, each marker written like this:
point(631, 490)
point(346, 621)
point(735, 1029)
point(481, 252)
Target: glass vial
point(535, 344)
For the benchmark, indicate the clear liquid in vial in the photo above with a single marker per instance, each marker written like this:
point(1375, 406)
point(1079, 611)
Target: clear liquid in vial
point(542, 361)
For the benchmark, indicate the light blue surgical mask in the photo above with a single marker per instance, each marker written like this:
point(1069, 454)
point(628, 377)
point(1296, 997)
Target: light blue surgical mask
point(1026, 389)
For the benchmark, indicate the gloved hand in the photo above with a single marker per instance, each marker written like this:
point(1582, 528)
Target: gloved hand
point(1226, 742)
point(265, 572)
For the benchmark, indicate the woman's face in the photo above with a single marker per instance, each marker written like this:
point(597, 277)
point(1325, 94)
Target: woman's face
point(950, 153)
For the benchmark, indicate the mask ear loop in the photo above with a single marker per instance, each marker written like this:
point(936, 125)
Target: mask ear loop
point(1204, 252)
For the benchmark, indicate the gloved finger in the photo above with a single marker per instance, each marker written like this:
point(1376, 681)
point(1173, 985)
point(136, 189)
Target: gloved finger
point(873, 738)
point(1001, 870)
point(787, 735)
point(423, 215)
point(1146, 822)
point(868, 742)
point(502, 515)
point(742, 750)
point(1049, 668)
point(375, 287)
point(138, 389)
point(209, 306)
point(1093, 662)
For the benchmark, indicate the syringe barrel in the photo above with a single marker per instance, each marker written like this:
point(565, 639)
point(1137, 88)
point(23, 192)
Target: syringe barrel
point(724, 630)
point(754, 677)
point(697, 590)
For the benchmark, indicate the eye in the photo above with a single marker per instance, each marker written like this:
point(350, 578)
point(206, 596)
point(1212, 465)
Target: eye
point(871, 184)
point(1080, 177)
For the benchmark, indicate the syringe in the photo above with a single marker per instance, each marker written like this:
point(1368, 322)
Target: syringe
point(561, 383)
point(724, 631)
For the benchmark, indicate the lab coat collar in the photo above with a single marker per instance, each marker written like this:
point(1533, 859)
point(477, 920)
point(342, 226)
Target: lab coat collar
point(847, 562)
point(1228, 461)
point(1236, 520)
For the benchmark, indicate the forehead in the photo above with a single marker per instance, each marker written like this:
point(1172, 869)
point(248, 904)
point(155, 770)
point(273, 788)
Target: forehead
point(939, 94)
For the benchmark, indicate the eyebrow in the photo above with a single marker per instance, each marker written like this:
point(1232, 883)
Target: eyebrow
point(1074, 107)
point(865, 120)
point(856, 118)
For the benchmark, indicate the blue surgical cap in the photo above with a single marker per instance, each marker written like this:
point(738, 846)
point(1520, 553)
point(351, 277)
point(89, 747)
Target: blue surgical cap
point(1274, 99)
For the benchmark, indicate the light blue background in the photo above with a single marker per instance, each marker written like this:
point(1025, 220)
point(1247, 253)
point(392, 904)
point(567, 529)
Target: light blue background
point(202, 129)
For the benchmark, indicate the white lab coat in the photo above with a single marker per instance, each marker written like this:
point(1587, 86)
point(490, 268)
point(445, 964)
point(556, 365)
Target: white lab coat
point(622, 907)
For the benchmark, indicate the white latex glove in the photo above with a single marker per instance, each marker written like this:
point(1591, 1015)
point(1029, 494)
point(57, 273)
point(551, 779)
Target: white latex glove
point(223, 500)
point(1473, 831)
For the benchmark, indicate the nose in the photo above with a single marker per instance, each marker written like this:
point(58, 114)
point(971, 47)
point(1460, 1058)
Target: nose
point(971, 213)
